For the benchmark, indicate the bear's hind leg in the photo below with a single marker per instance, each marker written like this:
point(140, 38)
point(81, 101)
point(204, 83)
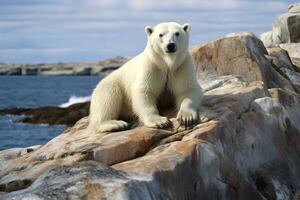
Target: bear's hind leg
point(105, 108)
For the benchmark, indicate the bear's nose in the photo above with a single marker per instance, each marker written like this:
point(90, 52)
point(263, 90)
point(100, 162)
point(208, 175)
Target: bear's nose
point(171, 47)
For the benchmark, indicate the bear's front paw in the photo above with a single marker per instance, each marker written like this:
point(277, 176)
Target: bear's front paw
point(187, 117)
point(157, 122)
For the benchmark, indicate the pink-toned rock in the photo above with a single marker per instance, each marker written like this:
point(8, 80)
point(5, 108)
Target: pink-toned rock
point(191, 169)
point(246, 146)
point(239, 54)
point(74, 145)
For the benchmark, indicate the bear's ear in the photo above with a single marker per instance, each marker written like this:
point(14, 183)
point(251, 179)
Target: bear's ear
point(186, 27)
point(148, 30)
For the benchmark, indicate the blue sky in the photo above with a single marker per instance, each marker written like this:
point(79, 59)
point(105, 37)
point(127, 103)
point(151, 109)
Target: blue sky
point(34, 31)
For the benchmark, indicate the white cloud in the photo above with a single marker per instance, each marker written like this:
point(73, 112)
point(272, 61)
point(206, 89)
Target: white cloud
point(184, 4)
point(80, 26)
point(102, 3)
point(86, 27)
point(50, 51)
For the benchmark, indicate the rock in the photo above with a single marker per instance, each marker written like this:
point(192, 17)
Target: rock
point(4, 70)
point(239, 54)
point(285, 29)
point(29, 71)
point(247, 148)
point(85, 180)
point(296, 62)
point(51, 115)
point(282, 63)
point(267, 39)
point(292, 48)
point(65, 69)
point(281, 58)
point(225, 56)
point(89, 180)
point(55, 71)
point(247, 145)
point(293, 76)
point(294, 8)
point(83, 71)
point(14, 153)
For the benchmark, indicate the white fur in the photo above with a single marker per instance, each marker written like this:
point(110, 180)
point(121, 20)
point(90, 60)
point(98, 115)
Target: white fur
point(134, 88)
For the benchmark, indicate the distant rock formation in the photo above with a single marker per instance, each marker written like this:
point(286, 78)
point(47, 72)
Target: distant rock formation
point(247, 145)
point(50, 114)
point(66, 69)
point(286, 33)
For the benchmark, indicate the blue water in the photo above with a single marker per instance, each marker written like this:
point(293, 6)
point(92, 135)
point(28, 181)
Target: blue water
point(37, 91)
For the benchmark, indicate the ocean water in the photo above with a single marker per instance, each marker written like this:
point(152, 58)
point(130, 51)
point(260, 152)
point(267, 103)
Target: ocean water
point(37, 91)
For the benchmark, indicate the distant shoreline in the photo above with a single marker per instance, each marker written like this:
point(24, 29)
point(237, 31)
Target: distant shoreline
point(63, 69)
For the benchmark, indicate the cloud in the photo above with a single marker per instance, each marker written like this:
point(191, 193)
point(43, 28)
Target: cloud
point(183, 4)
point(50, 51)
point(95, 29)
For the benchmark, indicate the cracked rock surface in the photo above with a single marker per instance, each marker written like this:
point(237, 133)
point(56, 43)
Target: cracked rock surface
point(247, 145)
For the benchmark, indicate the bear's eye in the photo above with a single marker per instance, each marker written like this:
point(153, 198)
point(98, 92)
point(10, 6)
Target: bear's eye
point(160, 35)
point(177, 33)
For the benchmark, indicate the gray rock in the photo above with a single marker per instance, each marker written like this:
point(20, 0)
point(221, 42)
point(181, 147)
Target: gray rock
point(294, 8)
point(293, 76)
point(14, 153)
point(267, 39)
point(83, 71)
point(283, 64)
point(11, 70)
point(86, 180)
point(66, 69)
point(281, 58)
point(285, 30)
point(292, 48)
point(296, 62)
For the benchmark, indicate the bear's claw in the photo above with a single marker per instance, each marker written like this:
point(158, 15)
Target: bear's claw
point(113, 125)
point(187, 117)
point(158, 122)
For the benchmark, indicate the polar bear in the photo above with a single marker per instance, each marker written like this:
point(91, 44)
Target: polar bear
point(137, 87)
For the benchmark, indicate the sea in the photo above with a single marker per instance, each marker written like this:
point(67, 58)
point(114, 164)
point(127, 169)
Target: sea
point(33, 92)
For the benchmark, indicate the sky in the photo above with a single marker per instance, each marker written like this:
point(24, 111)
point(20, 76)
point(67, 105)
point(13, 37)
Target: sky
point(47, 31)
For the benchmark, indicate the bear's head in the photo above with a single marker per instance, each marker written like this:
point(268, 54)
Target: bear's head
point(168, 38)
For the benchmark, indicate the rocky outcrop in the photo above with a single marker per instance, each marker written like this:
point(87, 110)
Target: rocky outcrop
point(285, 32)
point(285, 35)
point(247, 145)
point(66, 69)
point(245, 55)
point(292, 48)
point(296, 62)
point(283, 64)
point(50, 115)
point(267, 39)
point(285, 29)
